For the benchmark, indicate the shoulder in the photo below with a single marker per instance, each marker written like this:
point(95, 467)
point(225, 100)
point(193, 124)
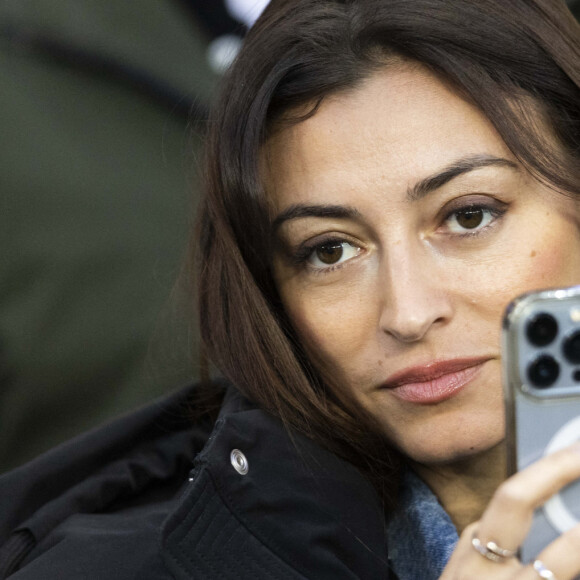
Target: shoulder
point(257, 501)
point(99, 500)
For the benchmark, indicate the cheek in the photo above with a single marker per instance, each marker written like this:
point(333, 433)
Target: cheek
point(549, 261)
point(529, 262)
point(333, 326)
point(557, 265)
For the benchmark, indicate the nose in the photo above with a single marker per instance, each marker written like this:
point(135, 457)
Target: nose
point(414, 295)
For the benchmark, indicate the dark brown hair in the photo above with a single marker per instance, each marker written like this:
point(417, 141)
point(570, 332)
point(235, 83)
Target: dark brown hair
point(517, 60)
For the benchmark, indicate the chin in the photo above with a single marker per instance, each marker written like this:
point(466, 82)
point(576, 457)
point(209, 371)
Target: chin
point(445, 457)
point(450, 438)
point(457, 452)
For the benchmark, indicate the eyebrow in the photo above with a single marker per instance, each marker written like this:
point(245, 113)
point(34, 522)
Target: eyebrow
point(320, 211)
point(457, 168)
point(415, 193)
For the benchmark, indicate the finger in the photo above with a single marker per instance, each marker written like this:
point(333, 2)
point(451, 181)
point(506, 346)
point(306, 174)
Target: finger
point(562, 557)
point(508, 516)
point(465, 562)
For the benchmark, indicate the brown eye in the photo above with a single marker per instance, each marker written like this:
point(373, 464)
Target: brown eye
point(329, 253)
point(473, 219)
point(470, 218)
point(332, 254)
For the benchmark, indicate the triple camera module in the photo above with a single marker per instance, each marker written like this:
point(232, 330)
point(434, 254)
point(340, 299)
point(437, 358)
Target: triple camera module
point(541, 331)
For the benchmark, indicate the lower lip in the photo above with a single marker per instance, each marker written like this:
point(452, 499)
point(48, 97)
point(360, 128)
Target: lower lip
point(436, 390)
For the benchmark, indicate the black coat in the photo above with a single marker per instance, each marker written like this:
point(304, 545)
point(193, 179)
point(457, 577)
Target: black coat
point(126, 501)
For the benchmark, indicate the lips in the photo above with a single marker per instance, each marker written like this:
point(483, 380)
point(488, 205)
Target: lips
point(434, 382)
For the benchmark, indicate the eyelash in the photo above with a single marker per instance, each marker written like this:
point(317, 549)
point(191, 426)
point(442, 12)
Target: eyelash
point(495, 210)
point(305, 252)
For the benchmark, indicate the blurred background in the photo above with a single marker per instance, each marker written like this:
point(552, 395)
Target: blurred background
point(102, 109)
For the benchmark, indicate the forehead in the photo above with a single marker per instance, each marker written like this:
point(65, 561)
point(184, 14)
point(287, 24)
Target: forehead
point(397, 127)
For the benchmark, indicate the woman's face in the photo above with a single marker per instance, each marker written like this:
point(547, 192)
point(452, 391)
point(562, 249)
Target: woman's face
point(404, 226)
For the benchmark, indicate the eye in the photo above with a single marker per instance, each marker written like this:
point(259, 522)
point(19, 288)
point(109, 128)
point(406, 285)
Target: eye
point(332, 253)
point(470, 219)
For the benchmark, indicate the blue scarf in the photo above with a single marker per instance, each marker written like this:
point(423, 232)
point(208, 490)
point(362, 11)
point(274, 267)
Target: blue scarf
point(421, 536)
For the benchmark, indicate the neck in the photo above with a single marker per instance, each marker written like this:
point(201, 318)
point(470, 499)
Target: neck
point(465, 487)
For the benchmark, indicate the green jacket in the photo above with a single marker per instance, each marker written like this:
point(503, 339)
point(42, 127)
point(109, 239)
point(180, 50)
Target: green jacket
point(96, 178)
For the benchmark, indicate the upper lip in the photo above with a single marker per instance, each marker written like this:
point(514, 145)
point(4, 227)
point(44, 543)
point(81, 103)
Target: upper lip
point(431, 371)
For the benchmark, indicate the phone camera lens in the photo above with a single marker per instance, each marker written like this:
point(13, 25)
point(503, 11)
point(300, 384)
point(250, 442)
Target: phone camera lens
point(544, 371)
point(571, 348)
point(542, 329)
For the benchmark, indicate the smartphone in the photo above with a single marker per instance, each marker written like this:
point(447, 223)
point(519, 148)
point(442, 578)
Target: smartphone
point(541, 375)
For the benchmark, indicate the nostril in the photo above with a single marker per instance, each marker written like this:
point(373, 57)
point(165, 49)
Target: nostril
point(409, 321)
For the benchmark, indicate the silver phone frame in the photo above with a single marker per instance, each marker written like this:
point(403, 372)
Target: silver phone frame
point(510, 370)
point(514, 319)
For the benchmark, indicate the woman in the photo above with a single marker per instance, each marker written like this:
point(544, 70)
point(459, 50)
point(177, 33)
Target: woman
point(383, 177)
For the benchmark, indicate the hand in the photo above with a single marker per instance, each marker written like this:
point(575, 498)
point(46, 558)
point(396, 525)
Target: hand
point(507, 520)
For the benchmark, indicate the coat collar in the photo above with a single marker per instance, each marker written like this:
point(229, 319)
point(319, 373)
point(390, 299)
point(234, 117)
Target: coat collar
point(298, 512)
